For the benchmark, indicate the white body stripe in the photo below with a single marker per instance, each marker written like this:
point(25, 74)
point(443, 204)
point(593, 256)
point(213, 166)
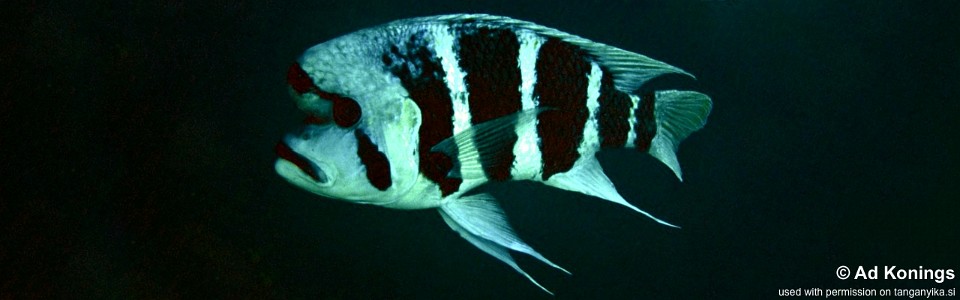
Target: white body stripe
point(528, 162)
point(527, 59)
point(631, 134)
point(591, 137)
point(444, 43)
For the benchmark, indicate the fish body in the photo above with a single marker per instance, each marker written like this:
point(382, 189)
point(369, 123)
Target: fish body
point(416, 113)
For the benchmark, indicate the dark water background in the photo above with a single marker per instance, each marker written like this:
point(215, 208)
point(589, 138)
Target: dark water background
point(137, 156)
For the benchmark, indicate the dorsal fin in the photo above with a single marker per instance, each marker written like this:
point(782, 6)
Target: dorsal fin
point(630, 70)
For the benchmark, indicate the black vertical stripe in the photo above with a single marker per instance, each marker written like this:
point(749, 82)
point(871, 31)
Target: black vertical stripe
point(422, 75)
point(378, 167)
point(562, 82)
point(614, 114)
point(489, 59)
point(646, 126)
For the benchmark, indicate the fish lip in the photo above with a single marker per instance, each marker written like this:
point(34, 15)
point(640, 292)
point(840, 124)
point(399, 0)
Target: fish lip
point(308, 167)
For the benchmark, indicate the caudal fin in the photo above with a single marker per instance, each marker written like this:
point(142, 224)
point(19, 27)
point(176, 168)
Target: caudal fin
point(677, 114)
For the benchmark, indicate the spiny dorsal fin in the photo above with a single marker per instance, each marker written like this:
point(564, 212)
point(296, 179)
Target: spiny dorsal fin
point(630, 70)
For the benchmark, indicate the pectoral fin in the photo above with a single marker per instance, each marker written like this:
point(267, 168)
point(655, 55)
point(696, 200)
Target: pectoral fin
point(479, 220)
point(487, 137)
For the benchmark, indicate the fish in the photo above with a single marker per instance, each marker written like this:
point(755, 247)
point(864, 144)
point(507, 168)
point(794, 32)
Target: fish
point(417, 113)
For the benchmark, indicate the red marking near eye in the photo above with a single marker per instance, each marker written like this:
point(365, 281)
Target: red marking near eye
point(299, 80)
point(284, 152)
point(346, 111)
point(315, 120)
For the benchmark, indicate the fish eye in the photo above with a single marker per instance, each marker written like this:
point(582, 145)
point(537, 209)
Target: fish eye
point(346, 111)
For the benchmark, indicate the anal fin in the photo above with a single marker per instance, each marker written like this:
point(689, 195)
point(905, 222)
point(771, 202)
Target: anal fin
point(479, 220)
point(587, 177)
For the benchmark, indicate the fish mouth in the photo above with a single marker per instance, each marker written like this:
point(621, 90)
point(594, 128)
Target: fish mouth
point(306, 166)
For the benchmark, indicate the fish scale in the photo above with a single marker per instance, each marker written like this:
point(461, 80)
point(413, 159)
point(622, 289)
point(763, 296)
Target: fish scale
point(416, 113)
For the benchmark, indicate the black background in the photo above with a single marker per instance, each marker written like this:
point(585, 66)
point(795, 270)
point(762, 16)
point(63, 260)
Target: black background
point(137, 156)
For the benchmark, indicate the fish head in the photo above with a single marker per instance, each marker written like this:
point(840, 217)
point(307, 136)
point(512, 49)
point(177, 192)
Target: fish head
point(324, 160)
point(342, 80)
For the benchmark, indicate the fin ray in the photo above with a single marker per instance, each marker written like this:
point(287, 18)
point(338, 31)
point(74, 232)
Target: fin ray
point(491, 248)
point(487, 136)
point(479, 220)
point(587, 177)
point(678, 114)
